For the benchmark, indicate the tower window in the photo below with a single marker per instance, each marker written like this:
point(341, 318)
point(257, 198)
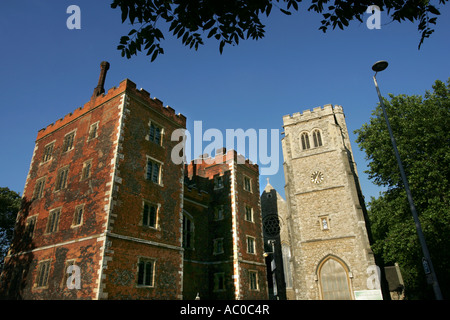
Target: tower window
point(218, 246)
point(247, 184)
point(155, 133)
point(86, 172)
point(30, 226)
point(218, 212)
point(53, 221)
point(146, 271)
point(324, 223)
point(219, 281)
point(61, 179)
point(271, 225)
point(93, 131)
point(68, 141)
point(48, 150)
point(149, 215)
point(218, 182)
point(253, 280)
point(39, 188)
point(317, 139)
point(250, 245)
point(153, 171)
point(305, 141)
point(188, 232)
point(78, 215)
point(42, 274)
point(249, 213)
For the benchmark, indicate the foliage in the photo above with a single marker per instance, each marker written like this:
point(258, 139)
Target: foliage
point(230, 21)
point(9, 206)
point(420, 126)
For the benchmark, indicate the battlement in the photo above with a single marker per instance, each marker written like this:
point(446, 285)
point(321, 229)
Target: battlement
point(127, 86)
point(222, 157)
point(156, 104)
point(196, 188)
point(317, 112)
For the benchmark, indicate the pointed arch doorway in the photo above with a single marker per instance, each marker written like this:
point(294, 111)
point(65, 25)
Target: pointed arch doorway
point(334, 281)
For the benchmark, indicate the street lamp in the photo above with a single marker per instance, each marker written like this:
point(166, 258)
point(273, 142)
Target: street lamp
point(427, 264)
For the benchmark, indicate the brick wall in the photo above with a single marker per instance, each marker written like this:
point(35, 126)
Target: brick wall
point(233, 227)
point(81, 243)
point(111, 242)
point(130, 238)
point(111, 231)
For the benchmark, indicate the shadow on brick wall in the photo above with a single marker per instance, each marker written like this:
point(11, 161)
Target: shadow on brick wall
point(19, 261)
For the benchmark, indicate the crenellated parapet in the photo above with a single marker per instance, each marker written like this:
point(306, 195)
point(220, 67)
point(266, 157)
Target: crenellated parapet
point(125, 86)
point(222, 156)
point(155, 103)
point(309, 114)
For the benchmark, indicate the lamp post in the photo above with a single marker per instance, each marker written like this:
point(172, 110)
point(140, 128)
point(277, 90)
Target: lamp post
point(427, 264)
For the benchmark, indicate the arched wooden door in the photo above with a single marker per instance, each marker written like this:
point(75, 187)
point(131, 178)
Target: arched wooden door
point(334, 280)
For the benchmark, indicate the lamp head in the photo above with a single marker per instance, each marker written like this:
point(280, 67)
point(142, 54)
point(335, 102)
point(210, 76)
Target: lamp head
point(380, 65)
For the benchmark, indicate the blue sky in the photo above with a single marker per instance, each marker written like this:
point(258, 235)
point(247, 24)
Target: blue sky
point(47, 71)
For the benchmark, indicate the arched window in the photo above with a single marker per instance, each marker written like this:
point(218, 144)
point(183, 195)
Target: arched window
point(317, 139)
point(305, 141)
point(334, 281)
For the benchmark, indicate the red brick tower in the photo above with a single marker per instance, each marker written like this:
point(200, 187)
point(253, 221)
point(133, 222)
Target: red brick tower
point(223, 257)
point(104, 200)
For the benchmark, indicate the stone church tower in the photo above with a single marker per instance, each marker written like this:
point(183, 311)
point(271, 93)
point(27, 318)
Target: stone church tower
point(331, 255)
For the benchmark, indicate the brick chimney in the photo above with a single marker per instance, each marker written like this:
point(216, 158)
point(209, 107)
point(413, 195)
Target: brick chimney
point(104, 66)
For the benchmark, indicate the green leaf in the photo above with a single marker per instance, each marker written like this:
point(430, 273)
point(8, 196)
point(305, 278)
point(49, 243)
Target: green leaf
point(222, 44)
point(209, 24)
point(236, 18)
point(180, 33)
point(433, 10)
point(154, 55)
point(268, 9)
point(285, 12)
point(185, 37)
point(151, 49)
point(173, 25)
point(240, 33)
point(132, 14)
point(177, 29)
point(158, 34)
point(124, 39)
point(212, 32)
point(124, 13)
